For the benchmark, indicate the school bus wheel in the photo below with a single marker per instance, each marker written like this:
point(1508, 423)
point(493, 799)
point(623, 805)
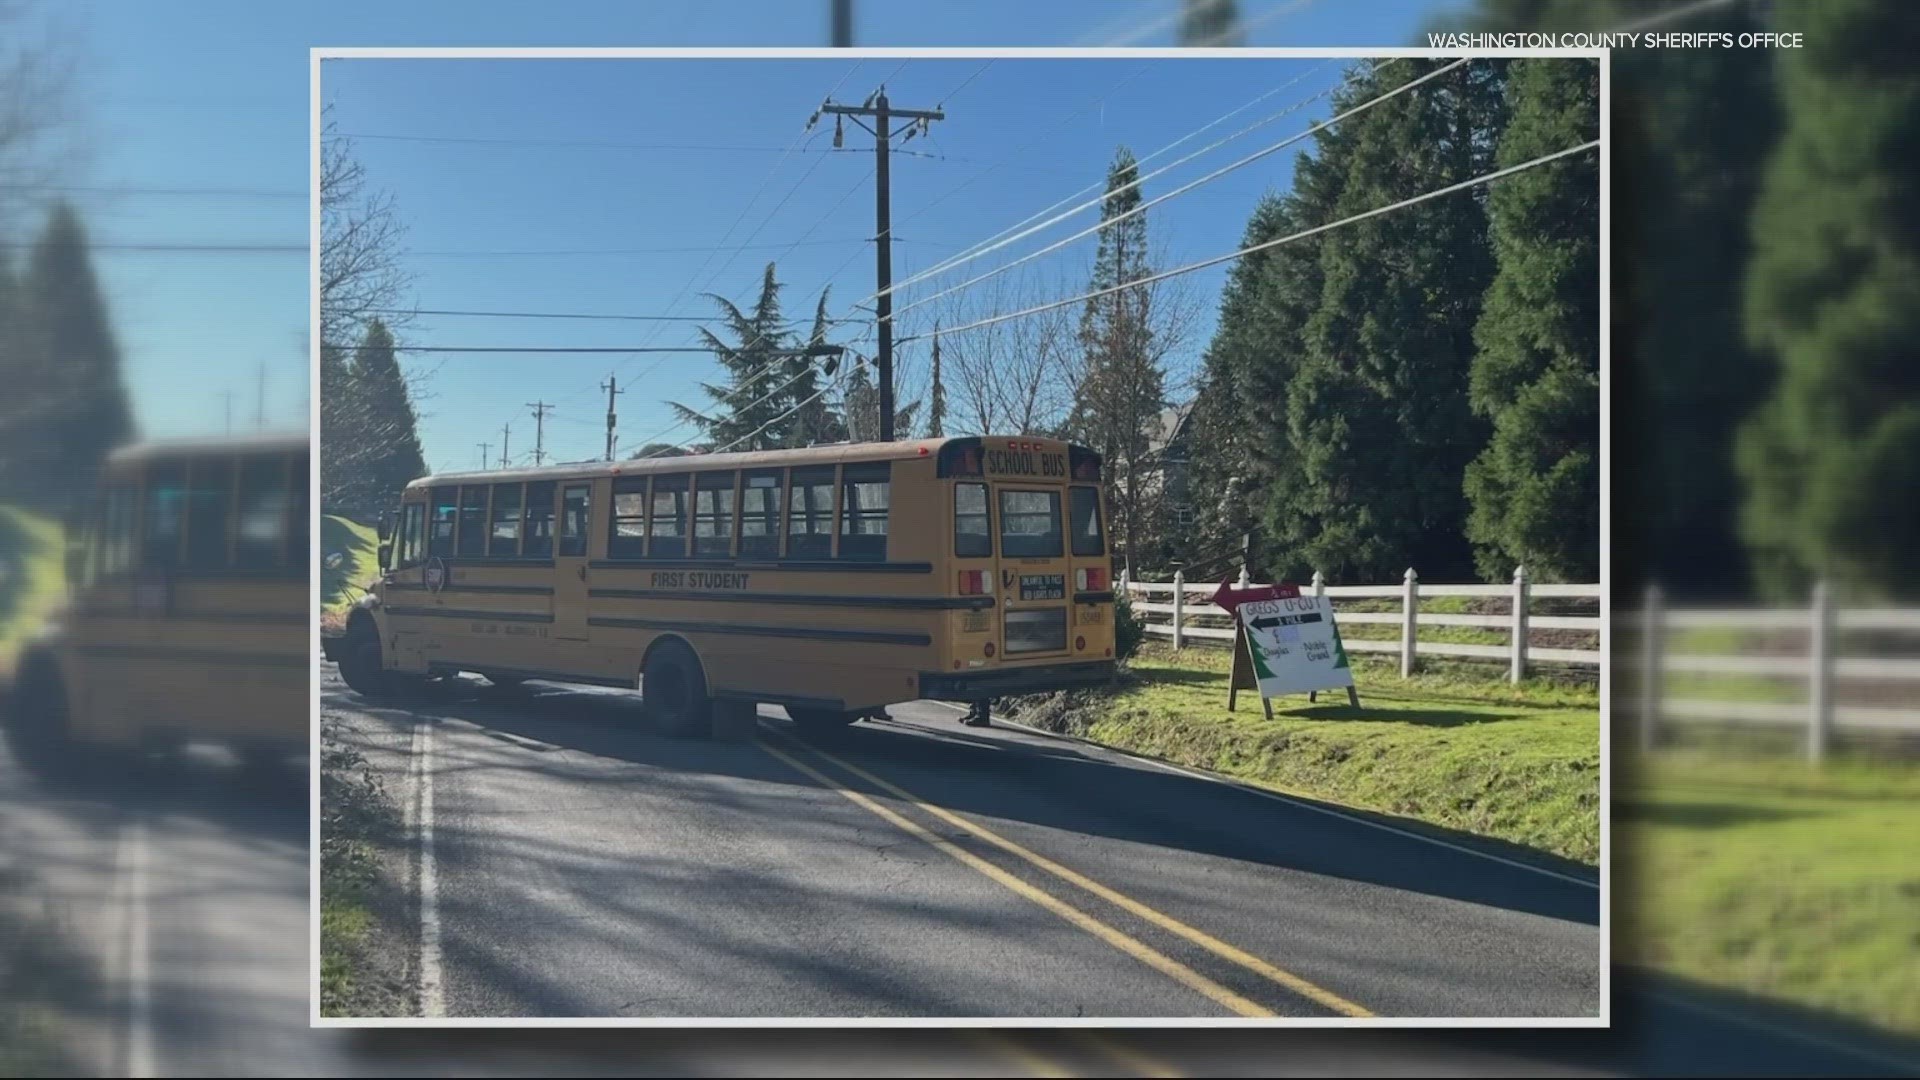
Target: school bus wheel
point(37, 717)
point(673, 688)
point(813, 720)
point(360, 662)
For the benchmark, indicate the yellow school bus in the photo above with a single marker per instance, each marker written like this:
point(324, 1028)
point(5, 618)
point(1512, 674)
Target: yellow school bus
point(187, 611)
point(833, 581)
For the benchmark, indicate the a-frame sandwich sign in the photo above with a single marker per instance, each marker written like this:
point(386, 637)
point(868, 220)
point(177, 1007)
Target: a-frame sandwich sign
point(1284, 643)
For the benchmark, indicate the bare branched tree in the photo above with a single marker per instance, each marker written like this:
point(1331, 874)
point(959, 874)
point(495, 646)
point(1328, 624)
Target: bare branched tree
point(36, 74)
point(361, 270)
point(1014, 377)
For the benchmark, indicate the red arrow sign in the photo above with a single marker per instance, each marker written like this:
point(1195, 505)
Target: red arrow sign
point(1228, 597)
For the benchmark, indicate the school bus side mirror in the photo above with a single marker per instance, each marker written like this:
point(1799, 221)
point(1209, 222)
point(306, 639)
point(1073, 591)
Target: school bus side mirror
point(386, 554)
point(385, 527)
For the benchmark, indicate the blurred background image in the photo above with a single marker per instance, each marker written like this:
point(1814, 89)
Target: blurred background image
point(154, 373)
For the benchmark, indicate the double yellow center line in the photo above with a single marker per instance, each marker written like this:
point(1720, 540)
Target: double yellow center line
point(1120, 940)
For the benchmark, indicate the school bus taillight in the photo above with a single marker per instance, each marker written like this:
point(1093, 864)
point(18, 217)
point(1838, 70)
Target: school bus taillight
point(973, 582)
point(1090, 580)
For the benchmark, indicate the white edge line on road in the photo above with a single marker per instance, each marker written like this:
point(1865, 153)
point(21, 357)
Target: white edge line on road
point(133, 852)
point(432, 997)
point(1289, 800)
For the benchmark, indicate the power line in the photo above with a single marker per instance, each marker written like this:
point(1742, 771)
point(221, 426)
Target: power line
point(697, 350)
point(1230, 256)
point(798, 140)
point(1249, 159)
point(990, 244)
point(205, 249)
point(918, 120)
point(539, 315)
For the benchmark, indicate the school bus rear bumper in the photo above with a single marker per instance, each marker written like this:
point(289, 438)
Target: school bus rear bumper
point(1005, 682)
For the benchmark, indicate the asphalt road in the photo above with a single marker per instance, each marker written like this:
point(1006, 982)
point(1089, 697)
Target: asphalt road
point(583, 867)
point(171, 911)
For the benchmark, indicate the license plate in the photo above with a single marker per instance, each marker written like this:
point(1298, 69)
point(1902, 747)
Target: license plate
point(1043, 586)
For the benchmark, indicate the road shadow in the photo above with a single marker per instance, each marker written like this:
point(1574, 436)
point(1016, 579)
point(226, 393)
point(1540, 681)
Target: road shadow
point(1058, 785)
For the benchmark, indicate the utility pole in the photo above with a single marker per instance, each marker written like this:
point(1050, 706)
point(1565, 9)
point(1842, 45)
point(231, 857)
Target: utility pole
point(611, 390)
point(483, 454)
point(539, 431)
point(260, 400)
point(841, 29)
point(228, 394)
point(883, 112)
point(506, 432)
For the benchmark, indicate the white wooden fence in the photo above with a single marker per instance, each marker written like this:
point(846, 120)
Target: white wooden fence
point(1805, 649)
point(1176, 618)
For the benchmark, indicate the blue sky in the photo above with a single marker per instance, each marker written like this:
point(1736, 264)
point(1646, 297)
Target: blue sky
point(189, 127)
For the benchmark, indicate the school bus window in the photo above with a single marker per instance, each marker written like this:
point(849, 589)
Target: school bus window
point(628, 536)
point(209, 499)
point(1029, 524)
point(411, 527)
point(262, 524)
point(441, 521)
point(473, 519)
point(713, 515)
point(503, 540)
point(972, 534)
point(117, 539)
point(574, 508)
point(667, 528)
point(863, 518)
point(537, 541)
point(1085, 507)
point(760, 516)
point(166, 513)
point(810, 514)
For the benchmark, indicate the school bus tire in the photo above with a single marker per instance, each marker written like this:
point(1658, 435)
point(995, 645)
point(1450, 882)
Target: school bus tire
point(361, 667)
point(673, 689)
point(37, 719)
point(816, 721)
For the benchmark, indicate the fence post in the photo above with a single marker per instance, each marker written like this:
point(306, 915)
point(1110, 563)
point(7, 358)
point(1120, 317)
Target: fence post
point(1820, 674)
point(1319, 584)
point(1245, 578)
point(1652, 630)
point(1517, 669)
point(1409, 616)
point(1179, 607)
point(1124, 581)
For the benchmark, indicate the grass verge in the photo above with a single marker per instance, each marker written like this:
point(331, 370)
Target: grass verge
point(1451, 748)
point(357, 817)
point(340, 587)
point(32, 577)
point(1774, 878)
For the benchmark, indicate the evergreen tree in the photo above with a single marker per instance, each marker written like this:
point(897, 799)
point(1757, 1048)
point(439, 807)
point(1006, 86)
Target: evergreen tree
point(1832, 460)
point(391, 426)
point(862, 406)
point(1122, 388)
point(1378, 415)
point(746, 410)
point(344, 446)
point(1535, 490)
point(661, 449)
point(1244, 468)
point(1684, 171)
point(65, 405)
point(937, 409)
point(813, 420)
